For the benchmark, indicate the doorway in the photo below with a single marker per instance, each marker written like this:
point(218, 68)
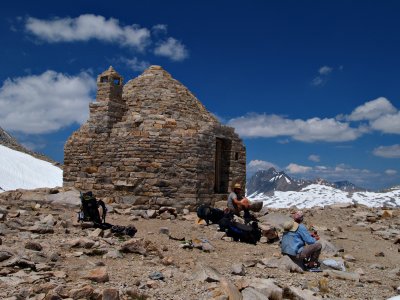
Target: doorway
point(222, 165)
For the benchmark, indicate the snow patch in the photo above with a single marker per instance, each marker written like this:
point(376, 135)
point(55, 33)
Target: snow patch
point(22, 171)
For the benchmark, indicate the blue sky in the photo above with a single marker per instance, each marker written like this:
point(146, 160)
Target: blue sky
point(311, 86)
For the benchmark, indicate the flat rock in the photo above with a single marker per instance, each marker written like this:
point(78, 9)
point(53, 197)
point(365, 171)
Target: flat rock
point(205, 273)
point(298, 294)
point(97, 275)
point(33, 246)
point(110, 294)
point(81, 293)
point(275, 219)
point(342, 275)
point(238, 269)
point(230, 289)
point(250, 293)
point(267, 287)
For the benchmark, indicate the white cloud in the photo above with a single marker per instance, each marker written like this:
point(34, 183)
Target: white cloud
point(372, 110)
point(311, 130)
point(325, 70)
point(388, 151)
point(360, 177)
point(318, 81)
point(173, 49)
point(45, 103)
point(389, 123)
point(160, 28)
point(314, 158)
point(390, 172)
point(87, 27)
point(296, 169)
point(257, 165)
point(134, 64)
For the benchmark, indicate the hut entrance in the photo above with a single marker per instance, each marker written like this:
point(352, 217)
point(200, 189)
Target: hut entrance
point(222, 164)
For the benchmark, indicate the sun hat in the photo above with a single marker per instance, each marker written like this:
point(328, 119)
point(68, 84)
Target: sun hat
point(298, 216)
point(237, 186)
point(290, 226)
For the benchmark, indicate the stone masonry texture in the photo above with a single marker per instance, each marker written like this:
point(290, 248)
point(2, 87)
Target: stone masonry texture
point(151, 143)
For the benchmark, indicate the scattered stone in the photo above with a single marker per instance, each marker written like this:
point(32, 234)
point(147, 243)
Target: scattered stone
point(33, 246)
point(98, 232)
point(342, 275)
point(97, 275)
point(230, 289)
point(156, 276)
point(250, 293)
point(164, 230)
point(205, 273)
point(151, 213)
point(4, 255)
point(114, 254)
point(267, 287)
point(218, 235)
point(238, 269)
point(227, 239)
point(296, 293)
point(81, 243)
point(81, 293)
point(380, 254)
point(110, 294)
point(41, 229)
point(349, 257)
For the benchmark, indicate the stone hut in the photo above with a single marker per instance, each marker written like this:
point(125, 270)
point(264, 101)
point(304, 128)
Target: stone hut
point(151, 143)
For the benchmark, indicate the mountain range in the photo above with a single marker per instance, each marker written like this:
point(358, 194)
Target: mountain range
point(277, 189)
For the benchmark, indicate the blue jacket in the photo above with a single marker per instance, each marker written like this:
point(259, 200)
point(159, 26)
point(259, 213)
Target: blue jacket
point(293, 242)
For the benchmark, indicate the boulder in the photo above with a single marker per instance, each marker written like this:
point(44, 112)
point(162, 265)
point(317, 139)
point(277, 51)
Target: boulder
point(205, 273)
point(97, 275)
point(267, 287)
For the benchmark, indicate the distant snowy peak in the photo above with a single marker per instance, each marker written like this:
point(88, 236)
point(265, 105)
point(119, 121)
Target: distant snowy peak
point(268, 181)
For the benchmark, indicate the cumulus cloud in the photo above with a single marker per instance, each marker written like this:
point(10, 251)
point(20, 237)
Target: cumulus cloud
point(389, 123)
point(134, 64)
point(360, 177)
point(257, 165)
point(311, 130)
point(173, 49)
point(372, 110)
point(296, 169)
point(160, 28)
point(325, 70)
point(388, 151)
point(45, 103)
point(390, 172)
point(314, 158)
point(87, 27)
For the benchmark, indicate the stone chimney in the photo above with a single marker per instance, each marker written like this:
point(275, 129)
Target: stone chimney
point(109, 106)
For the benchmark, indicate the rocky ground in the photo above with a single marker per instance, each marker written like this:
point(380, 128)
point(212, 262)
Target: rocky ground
point(45, 254)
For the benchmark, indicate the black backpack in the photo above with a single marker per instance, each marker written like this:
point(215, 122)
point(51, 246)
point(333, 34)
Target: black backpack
point(210, 214)
point(245, 233)
point(90, 210)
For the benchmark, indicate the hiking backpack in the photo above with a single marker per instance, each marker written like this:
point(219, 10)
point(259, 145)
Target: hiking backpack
point(210, 214)
point(90, 210)
point(245, 233)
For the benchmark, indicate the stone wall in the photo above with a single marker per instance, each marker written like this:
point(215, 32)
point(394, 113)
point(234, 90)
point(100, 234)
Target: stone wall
point(151, 143)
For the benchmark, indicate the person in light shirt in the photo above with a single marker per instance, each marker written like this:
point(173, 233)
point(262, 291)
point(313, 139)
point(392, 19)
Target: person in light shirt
point(237, 203)
point(298, 243)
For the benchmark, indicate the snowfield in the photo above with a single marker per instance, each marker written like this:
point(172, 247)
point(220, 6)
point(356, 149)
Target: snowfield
point(321, 195)
point(22, 171)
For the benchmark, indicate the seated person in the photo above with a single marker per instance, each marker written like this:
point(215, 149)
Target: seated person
point(298, 217)
point(237, 202)
point(299, 244)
